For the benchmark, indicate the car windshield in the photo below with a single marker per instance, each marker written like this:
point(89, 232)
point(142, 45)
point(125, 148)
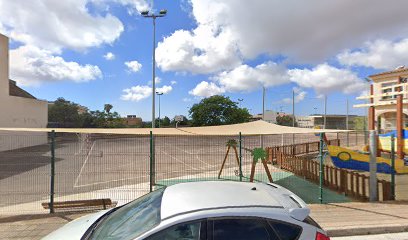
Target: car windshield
point(131, 220)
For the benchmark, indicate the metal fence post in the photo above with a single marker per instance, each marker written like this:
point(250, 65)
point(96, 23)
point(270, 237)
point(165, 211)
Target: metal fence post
point(52, 190)
point(240, 157)
point(151, 162)
point(373, 166)
point(393, 170)
point(321, 157)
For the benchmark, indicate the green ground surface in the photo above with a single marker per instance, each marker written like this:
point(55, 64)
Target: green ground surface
point(306, 190)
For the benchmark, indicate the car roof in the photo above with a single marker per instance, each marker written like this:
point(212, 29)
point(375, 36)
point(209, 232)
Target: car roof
point(191, 197)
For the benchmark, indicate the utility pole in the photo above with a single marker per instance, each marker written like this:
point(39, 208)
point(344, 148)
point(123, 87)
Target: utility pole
point(325, 111)
point(263, 103)
point(347, 114)
point(146, 14)
point(293, 108)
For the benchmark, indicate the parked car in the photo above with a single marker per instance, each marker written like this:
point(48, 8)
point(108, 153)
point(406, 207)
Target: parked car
point(202, 210)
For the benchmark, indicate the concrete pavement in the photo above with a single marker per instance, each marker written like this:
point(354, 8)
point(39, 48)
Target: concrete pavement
point(388, 236)
point(356, 218)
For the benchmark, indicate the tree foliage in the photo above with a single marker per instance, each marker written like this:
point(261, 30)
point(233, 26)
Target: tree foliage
point(64, 113)
point(217, 110)
point(360, 123)
point(285, 120)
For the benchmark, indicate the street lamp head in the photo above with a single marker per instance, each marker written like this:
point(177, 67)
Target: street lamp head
point(144, 13)
point(163, 12)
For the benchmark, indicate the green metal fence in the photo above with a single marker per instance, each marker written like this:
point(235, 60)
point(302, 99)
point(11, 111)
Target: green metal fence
point(38, 168)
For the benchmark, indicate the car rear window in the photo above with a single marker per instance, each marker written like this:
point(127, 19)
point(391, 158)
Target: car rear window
point(312, 222)
point(286, 231)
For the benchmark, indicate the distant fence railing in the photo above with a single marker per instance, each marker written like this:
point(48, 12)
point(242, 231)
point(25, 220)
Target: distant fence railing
point(350, 183)
point(297, 149)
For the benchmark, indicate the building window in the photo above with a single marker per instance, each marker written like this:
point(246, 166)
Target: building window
point(388, 88)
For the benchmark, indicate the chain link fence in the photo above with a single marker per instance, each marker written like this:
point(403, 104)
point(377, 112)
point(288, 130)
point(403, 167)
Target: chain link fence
point(123, 167)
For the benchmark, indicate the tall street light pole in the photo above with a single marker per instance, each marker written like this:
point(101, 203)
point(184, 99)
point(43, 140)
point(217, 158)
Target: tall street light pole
point(263, 103)
point(325, 111)
point(146, 14)
point(159, 94)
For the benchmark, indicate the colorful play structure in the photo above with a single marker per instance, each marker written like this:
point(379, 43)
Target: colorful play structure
point(382, 98)
point(354, 160)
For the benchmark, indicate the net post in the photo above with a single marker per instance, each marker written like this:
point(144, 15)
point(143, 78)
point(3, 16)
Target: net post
point(52, 190)
point(393, 171)
point(151, 162)
point(321, 158)
point(240, 157)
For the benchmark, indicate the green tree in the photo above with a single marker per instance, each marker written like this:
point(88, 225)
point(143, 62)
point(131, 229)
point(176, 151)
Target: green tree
point(63, 113)
point(359, 123)
point(165, 122)
point(217, 110)
point(107, 108)
point(103, 119)
point(285, 120)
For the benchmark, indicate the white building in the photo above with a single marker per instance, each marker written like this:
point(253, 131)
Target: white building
point(19, 109)
point(270, 116)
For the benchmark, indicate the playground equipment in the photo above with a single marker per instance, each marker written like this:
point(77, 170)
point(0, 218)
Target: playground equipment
point(257, 154)
point(349, 159)
point(384, 141)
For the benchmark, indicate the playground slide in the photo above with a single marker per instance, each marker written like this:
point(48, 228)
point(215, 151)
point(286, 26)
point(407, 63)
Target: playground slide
point(349, 159)
point(384, 141)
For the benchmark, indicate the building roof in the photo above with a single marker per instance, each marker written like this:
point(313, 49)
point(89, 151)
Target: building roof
point(398, 70)
point(16, 91)
point(198, 196)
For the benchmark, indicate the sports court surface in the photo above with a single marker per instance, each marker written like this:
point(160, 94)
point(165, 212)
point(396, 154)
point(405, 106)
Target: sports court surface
point(117, 166)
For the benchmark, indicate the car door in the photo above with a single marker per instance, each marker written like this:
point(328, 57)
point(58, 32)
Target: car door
point(240, 228)
point(194, 230)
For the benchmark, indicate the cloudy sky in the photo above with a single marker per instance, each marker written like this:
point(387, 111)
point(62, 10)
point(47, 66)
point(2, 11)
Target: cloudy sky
point(100, 51)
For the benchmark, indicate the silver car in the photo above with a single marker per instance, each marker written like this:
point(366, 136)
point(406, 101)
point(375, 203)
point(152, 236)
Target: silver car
point(202, 210)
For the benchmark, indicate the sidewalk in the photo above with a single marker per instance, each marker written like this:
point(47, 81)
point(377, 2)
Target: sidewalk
point(340, 219)
point(356, 218)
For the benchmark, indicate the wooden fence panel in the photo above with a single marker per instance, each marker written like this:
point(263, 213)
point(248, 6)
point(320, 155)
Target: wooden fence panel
point(344, 181)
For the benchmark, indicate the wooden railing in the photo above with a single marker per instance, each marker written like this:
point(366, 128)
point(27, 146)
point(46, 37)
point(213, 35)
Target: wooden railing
point(344, 181)
point(297, 149)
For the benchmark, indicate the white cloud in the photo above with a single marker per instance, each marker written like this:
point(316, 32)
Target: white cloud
point(133, 66)
point(165, 89)
point(140, 92)
point(54, 25)
point(246, 78)
point(380, 54)
point(109, 56)
point(157, 80)
point(205, 50)
point(306, 32)
point(325, 79)
point(206, 89)
point(299, 96)
point(30, 65)
point(173, 82)
point(133, 6)
point(136, 93)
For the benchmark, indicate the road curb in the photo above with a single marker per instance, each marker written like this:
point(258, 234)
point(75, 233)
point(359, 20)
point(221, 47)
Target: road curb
point(369, 230)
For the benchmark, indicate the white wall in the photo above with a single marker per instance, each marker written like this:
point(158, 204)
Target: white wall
point(18, 112)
